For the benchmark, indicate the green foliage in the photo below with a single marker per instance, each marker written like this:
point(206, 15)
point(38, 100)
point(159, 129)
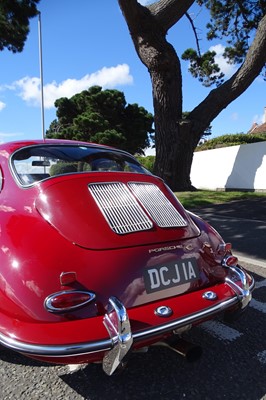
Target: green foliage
point(14, 23)
point(102, 116)
point(231, 140)
point(109, 137)
point(236, 21)
point(204, 67)
point(233, 21)
point(147, 162)
point(63, 168)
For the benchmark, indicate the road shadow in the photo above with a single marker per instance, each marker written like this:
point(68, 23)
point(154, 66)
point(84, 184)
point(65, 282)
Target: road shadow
point(13, 357)
point(226, 370)
point(241, 222)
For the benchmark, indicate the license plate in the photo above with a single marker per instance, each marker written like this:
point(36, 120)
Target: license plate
point(172, 274)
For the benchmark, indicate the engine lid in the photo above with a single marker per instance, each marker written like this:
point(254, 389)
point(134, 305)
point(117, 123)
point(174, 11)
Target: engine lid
point(113, 210)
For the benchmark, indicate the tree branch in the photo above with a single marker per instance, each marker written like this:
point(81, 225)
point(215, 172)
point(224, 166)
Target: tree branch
point(195, 32)
point(221, 97)
point(169, 12)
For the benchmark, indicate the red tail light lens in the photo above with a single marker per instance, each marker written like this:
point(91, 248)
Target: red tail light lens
point(224, 248)
point(66, 301)
point(229, 261)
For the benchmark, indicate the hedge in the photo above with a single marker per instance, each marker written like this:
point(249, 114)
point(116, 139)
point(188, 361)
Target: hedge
point(231, 140)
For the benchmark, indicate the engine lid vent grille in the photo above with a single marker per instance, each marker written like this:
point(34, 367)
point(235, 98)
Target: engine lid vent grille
point(163, 213)
point(120, 208)
point(123, 206)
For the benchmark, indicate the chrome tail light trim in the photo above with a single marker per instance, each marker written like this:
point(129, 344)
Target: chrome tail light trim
point(161, 210)
point(48, 302)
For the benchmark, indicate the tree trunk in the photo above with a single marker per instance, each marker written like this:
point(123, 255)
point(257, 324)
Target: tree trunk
point(176, 139)
point(175, 167)
point(174, 154)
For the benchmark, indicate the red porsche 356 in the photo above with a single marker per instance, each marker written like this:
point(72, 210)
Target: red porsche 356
point(98, 257)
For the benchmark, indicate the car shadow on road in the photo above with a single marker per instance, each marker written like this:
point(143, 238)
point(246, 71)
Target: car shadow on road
point(163, 375)
point(226, 370)
point(13, 357)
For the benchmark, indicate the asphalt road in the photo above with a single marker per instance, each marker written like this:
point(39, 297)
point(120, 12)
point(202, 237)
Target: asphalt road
point(233, 364)
point(243, 223)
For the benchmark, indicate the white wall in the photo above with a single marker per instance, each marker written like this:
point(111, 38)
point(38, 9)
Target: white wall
point(236, 167)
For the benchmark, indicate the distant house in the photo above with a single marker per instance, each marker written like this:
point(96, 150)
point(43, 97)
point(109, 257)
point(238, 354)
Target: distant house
point(256, 128)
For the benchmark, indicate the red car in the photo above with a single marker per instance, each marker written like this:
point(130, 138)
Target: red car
point(99, 258)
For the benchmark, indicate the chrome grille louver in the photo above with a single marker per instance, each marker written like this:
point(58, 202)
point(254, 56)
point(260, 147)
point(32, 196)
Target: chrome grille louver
point(157, 205)
point(118, 204)
point(120, 208)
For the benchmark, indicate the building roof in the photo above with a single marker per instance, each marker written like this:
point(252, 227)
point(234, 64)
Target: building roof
point(255, 129)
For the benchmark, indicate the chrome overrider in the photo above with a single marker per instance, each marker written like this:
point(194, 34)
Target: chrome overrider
point(243, 292)
point(117, 323)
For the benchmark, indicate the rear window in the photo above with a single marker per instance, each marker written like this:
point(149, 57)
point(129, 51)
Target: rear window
point(36, 163)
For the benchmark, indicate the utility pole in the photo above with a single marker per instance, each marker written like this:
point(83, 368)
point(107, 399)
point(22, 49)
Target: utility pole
point(41, 73)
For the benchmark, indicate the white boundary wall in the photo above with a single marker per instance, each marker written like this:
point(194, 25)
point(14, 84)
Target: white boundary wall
point(237, 167)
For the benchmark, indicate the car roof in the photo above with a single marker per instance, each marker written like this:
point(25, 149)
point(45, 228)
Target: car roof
point(10, 147)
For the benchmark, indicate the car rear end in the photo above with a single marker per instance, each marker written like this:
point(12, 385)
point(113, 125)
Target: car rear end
point(126, 265)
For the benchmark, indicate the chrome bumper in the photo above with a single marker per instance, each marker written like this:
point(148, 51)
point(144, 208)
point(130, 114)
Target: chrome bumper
point(121, 338)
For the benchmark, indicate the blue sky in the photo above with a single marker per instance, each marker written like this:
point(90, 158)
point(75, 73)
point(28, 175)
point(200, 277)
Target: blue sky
point(87, 43)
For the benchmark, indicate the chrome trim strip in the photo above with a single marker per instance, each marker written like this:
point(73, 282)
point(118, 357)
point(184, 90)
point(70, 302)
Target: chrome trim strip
point(55, 350)
point(107, 344)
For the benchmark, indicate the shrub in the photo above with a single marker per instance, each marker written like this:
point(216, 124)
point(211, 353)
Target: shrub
point(231, 140)
point(147, 162)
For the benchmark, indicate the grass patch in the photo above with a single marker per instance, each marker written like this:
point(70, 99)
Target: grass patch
point(201, 198)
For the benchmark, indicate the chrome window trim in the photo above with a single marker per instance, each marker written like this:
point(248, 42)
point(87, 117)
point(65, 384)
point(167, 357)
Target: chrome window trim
point(92, 146)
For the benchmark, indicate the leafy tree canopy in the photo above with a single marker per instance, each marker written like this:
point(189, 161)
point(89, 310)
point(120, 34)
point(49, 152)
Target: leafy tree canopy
point(230, 20)
point(102, 116)
point(14, 23)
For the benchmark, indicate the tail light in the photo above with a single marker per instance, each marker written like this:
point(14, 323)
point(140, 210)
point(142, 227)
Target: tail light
point(224, 248)
point(229, 261)
point(68, 300)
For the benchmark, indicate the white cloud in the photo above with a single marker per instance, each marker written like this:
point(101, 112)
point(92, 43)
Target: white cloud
point(8, 136)
point(235, 116)
point(2, 105)
point(29, 87)
point(226, 68)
